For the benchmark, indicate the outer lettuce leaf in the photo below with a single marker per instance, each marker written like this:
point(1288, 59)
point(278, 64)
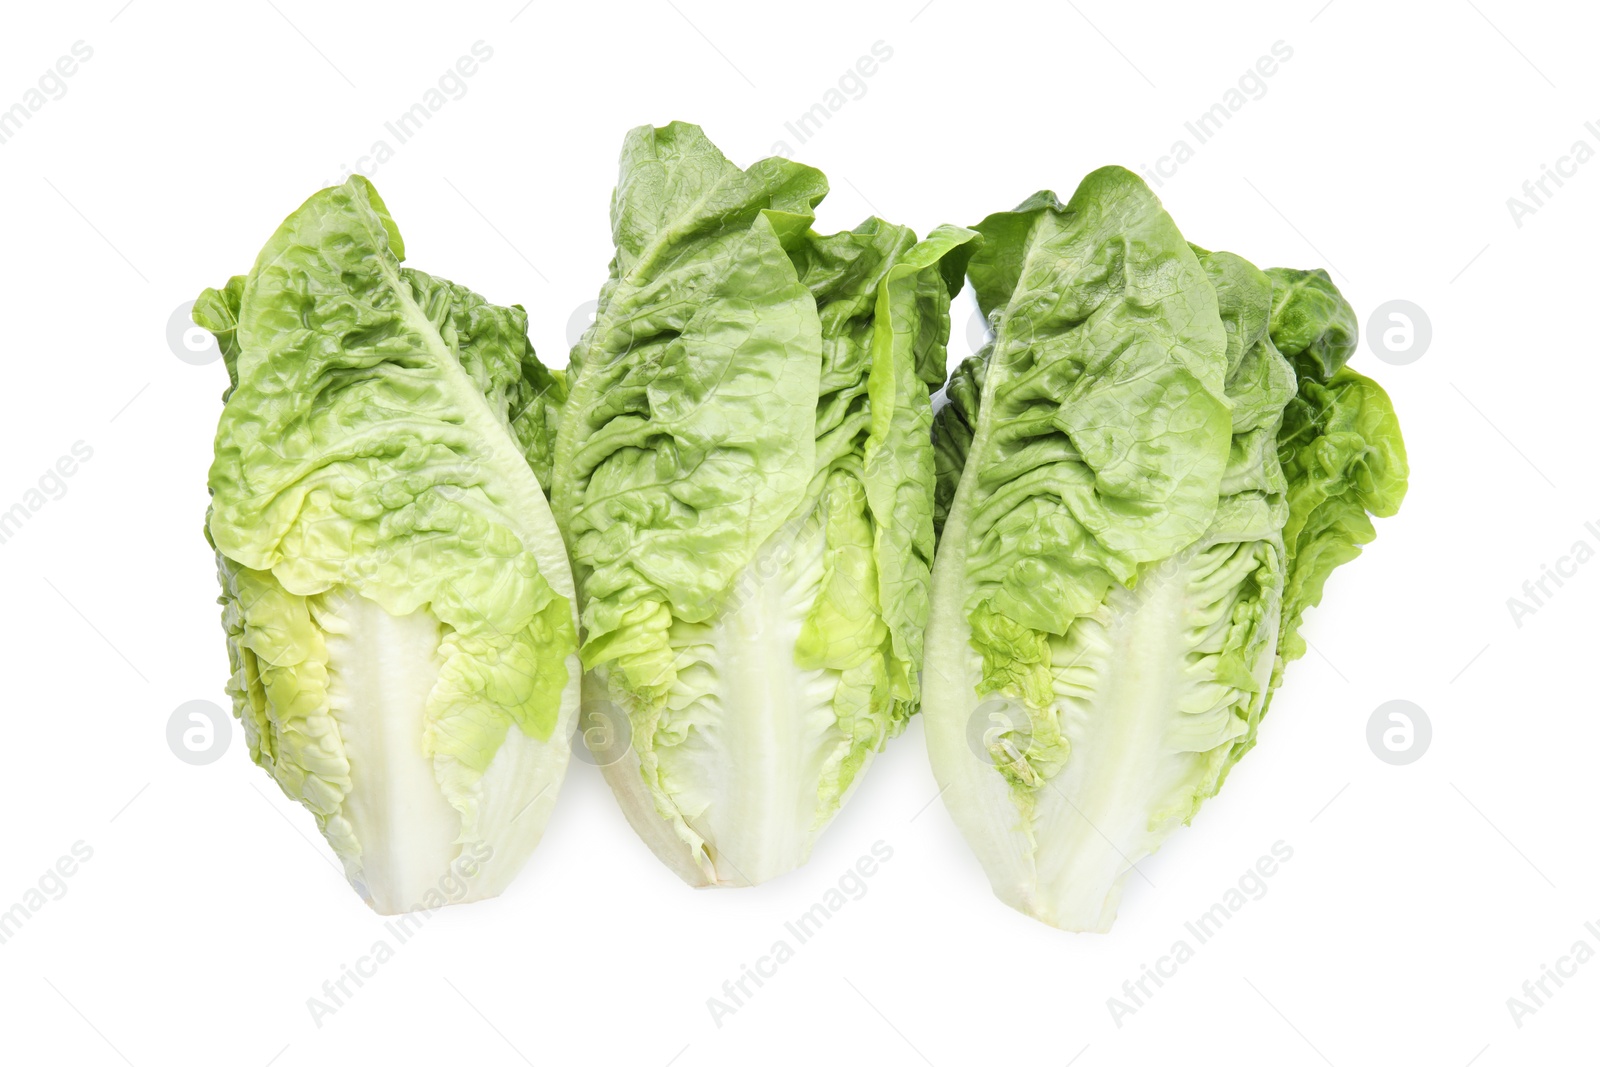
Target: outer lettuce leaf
point(1105, 414)
point(953, 426)
point(665, 496)
point(1312, 323)
point(912, 313)
point(884, 304)
point(1340, 445)
point(744, 476)
point(1345, 459)
point(397, 601)
point(492, 344)
point(1252, 509)
point(217, 310)
point(535, 415)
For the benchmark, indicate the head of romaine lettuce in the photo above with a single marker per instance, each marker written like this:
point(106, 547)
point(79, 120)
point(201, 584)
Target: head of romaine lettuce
point(397, 601)
point(744, 475)
point(1144, 480)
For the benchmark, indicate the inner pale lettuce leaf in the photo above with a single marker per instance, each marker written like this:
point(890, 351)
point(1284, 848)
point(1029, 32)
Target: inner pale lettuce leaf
point(1119, 534)
point(744, 475)
point(397, 600)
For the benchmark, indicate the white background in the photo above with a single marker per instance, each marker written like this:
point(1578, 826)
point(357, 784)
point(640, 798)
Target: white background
point(1419, 898)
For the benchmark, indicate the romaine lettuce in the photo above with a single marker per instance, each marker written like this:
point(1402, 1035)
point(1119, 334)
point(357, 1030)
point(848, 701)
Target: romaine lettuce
point(1144, 480)
point(397, 600)
point(744, 474)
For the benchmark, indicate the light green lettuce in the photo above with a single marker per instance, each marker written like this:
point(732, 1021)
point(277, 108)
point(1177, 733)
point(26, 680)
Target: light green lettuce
point(397, 601)
point(1131, 530)
point(744, 475)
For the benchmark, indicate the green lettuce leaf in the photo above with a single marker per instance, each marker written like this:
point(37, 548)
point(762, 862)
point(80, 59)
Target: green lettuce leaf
point(884, 302)
point(1104, 414)
point(1340, 445)
point(953, 427)
point(1312, 323)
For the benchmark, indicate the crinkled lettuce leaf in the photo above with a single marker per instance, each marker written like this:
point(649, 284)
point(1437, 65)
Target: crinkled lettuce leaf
point(1106, 417)
point(952, 432)
point(1339, 445)
point(1313, 325)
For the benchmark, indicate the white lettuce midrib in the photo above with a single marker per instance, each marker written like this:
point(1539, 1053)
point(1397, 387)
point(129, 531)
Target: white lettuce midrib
point(381, 671)
point(1064, 851)
point(1092, 821)
point(759, 823)
point(774, 726)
